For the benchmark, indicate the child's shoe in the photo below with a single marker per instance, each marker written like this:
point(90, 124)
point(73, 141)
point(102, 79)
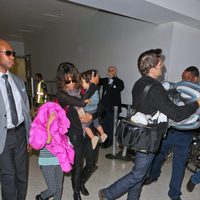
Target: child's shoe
point(95, 141)
point(103, 137)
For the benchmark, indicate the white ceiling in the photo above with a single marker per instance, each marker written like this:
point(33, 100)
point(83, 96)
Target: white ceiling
point(21, 18)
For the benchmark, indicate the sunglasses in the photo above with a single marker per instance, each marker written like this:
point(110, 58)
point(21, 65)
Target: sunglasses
point(9, 53)
point(69, 81)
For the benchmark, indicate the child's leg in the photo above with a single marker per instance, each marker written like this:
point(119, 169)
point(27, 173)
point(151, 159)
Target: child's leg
point(53, 176)
point(89, 132)
point(59, 183)
point(97, 125)
point(94, 138)
point(100, 130)
point(103, 136)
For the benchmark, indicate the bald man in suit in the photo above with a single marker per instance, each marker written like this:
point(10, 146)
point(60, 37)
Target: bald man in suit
point(14, 131)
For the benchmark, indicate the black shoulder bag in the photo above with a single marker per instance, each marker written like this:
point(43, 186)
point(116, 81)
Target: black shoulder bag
point(143, 138)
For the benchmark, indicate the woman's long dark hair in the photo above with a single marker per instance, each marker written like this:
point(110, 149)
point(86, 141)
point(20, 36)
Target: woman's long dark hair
point(67, 69)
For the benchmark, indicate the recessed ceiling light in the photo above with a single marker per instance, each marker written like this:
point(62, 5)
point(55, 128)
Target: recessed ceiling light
point(35, 25)
point(25, 30)
point(52, 15)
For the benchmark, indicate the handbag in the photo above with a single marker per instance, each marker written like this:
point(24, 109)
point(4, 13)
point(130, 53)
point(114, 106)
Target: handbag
point(143, 138)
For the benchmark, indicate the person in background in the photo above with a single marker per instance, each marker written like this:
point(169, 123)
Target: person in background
point(177, 141)
point(191, 74)
point(91, 107)
point(151, 67)
point(14, 130)
point(111, 96)
point(41, 93)
point(69, 97)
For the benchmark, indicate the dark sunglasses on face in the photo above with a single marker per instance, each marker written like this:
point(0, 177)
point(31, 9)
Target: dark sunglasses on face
point(69, 81)
point(9, 53)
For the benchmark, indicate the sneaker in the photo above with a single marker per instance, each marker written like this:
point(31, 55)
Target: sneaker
point(103, 137)
point(94, 141)
point(101, 195)
point(150, 180)
point(190, 185)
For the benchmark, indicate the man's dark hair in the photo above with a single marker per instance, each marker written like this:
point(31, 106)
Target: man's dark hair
point(193, 70)
point(149, 59)
point(39, 75)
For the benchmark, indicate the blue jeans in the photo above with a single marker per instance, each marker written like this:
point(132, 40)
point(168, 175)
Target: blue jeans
point(132, 182)
point(179, 142)
point(196, 178)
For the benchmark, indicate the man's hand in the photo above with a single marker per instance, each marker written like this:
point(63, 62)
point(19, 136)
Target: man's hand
point(29, 148)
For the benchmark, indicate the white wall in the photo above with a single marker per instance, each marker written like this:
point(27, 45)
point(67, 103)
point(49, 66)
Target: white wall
point(184, 50)
point(103, 40)
point(98, 42)
point(18, 47)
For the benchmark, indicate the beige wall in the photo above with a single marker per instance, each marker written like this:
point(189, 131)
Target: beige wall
point(19, 68)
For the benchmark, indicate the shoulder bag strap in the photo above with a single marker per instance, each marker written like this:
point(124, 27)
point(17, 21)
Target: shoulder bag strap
point(144, 94)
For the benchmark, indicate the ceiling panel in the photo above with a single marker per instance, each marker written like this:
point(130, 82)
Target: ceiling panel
point(21, 18)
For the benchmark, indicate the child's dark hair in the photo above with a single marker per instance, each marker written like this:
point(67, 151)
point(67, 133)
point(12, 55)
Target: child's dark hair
point(87, 75)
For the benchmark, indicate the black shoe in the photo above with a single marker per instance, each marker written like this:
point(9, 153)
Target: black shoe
point(101, 195)
point(190, 185)
point(150, 180)
point(84, 190)
point(106, 144)
point(77, 196)
point(38, 197)
point(179, 198)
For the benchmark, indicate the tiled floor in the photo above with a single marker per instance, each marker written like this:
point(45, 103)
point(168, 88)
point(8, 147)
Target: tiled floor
point(108, 171)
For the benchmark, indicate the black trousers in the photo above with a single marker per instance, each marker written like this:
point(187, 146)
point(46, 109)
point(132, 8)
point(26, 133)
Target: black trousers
point(107, 123)
point(83, 154)
point(77, 139)
point(91, 157)
point(14, 166)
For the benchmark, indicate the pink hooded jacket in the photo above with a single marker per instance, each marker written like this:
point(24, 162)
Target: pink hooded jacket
point(60, 145)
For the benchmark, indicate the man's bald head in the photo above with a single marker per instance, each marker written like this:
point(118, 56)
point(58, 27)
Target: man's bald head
point(112, 71)
point(6, 56)
point(4, 44)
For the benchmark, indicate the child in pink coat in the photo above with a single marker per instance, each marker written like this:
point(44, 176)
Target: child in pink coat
point(48, 134)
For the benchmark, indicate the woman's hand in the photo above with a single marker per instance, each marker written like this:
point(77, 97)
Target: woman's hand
point(86, 118)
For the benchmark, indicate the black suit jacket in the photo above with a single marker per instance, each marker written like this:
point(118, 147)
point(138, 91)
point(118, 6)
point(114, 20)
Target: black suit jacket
point(111, 95)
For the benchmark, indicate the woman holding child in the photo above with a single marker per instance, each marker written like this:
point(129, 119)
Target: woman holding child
point(70, 98)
